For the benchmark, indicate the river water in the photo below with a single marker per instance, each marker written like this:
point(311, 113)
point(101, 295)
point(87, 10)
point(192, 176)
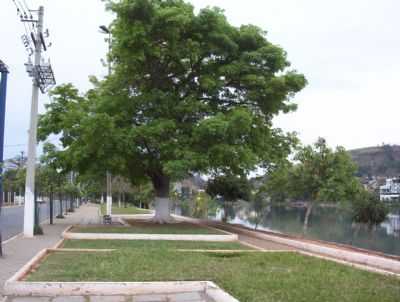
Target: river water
point(326, 223)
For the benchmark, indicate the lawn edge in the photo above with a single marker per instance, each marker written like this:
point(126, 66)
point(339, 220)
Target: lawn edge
point(52, 289)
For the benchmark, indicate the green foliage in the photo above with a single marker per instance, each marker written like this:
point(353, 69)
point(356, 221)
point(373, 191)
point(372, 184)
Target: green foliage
point(369, 210)
point(230, 188)
point(201, 203)
point(319, 174)
point(38, 230)
point(259, 206)
point(188, 92)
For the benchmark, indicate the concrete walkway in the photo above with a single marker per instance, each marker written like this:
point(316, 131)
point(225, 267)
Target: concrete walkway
point(19, 251)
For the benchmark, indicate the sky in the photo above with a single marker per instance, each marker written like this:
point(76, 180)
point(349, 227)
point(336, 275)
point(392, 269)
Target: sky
point(349, 52)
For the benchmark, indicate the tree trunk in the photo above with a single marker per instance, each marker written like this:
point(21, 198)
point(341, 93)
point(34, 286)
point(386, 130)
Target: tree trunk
point(51, 206)
point(124, 199)
point(19, 196)
point(309, 208)
point(225, 216)
point(162, 202)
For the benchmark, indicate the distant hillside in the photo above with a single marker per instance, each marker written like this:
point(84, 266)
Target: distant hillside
point(378, 161)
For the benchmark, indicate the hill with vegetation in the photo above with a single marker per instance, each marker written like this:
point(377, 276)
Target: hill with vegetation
point(378, 161)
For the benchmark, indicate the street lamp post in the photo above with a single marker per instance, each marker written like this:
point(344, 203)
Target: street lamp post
point(104, 30)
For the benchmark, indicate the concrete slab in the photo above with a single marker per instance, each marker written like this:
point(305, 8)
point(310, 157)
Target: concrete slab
point(70, 299)
point(110, 299)
point(29, 299)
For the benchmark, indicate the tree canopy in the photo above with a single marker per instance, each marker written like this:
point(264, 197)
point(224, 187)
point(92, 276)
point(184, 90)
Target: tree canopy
point(318, 173)
point(188, 92)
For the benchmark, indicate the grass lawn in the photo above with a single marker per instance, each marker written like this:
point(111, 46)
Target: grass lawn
point(140, 227)
point(121, 211)
point(250, 277)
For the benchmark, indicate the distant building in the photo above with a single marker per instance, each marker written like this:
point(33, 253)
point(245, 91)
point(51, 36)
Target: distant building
point(390, 190)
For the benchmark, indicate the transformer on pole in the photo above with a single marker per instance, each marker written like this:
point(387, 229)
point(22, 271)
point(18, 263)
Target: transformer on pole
point(42, 75)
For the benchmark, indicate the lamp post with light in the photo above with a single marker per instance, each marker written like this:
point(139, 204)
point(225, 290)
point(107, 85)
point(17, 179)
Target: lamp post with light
point(104, 30)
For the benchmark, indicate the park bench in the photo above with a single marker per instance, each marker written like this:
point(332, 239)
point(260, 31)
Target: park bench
point(107, 219)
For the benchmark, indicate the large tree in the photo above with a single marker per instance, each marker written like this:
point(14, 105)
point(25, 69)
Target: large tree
point(188, 92)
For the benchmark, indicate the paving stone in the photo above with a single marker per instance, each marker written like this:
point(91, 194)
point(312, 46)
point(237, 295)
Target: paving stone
point(109, 299)
point(70, 299)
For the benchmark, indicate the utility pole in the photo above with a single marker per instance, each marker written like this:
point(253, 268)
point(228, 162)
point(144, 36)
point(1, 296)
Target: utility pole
point(3, 93)
point(32, 141)
point(42, 75)
point(104, 30)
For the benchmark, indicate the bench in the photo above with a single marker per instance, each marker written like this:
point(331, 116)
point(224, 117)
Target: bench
point(107, 219)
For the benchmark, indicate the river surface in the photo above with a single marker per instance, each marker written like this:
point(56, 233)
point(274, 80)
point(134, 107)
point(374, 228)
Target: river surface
point(326, 223)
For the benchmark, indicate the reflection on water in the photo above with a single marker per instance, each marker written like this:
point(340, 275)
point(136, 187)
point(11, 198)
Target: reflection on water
point(326, 223)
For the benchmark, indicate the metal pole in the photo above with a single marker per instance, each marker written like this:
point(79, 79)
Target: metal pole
point(3, 94)
point(29, 210)
point(109, 177)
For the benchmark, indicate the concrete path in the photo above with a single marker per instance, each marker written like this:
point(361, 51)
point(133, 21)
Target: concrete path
point(20, 250)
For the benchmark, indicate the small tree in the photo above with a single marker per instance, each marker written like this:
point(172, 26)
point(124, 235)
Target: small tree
point(369, 210)
point(319, 174)
point(259, 206)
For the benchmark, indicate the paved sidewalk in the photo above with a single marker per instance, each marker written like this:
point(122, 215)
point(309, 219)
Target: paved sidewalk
point(19, 251)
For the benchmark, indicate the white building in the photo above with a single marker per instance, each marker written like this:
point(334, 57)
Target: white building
point(390, 190)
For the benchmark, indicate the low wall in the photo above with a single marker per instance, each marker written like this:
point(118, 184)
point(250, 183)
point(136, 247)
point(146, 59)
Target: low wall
point(168, 237)
point(330, 251)
point(376, 261)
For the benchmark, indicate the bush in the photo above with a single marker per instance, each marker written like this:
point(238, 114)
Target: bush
point(368, 209)
point(37, 230)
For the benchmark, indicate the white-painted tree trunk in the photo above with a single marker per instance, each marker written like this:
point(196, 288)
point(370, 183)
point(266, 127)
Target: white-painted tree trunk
point(102, 199)
point(109, 205)
point(163, 210)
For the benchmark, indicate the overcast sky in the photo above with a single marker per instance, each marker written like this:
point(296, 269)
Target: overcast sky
point(348, 50)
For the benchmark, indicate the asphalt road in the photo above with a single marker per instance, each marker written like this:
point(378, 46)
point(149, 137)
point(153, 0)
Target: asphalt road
point(12, 218)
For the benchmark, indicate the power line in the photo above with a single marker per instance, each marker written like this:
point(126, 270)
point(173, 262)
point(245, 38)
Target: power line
point(24, 145)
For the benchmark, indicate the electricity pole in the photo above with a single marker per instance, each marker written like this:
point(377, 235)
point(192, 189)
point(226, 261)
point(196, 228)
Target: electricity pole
point(32, 141)
point(3, 93)
point(104, 29)
point(42, 75)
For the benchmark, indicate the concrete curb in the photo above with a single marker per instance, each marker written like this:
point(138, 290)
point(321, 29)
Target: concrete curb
point(133, 216)
point(57, 250)
point(22, 272)
point(354, 257)
point(15, 287)
point(12, 238)
point(214, 292)
point(52, 289)
point(168, 237)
